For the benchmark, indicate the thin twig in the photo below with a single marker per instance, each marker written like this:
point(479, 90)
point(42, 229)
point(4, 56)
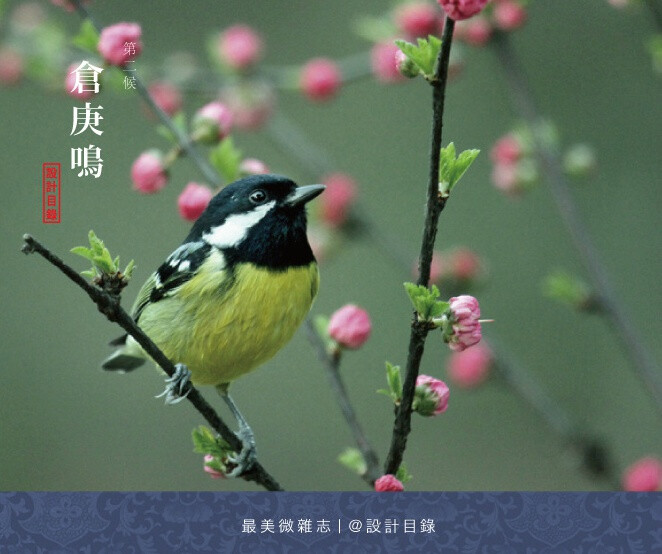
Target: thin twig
point(332, 364)
point(109, 305)
point(642, 360)
point(435, 204)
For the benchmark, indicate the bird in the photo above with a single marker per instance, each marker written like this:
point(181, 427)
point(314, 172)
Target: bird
point(232, 294)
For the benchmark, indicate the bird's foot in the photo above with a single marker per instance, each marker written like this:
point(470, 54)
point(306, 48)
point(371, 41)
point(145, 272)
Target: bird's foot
point(177, 386)
point(245, 459)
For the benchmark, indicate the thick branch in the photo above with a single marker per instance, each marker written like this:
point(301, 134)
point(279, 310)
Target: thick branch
point(109, 305)
point(435, 204)
point(332, 365)
point(642, 360)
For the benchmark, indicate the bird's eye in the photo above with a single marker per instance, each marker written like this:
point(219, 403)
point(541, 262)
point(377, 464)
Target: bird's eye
point(258, 196)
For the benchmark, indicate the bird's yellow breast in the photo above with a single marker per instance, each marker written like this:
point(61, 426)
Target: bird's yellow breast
point(223, 324)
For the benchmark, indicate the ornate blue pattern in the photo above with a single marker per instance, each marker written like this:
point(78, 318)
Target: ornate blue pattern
point(105, 523)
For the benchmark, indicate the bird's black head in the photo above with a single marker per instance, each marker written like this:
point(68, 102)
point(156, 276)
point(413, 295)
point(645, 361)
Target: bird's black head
point(260, 219)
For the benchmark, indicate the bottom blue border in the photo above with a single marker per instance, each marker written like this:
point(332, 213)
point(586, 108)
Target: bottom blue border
point(509, 522)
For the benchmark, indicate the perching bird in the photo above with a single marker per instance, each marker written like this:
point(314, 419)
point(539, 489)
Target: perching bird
point(234, 293)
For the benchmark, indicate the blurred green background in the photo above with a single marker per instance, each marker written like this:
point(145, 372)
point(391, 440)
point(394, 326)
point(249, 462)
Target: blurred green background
point(65, 424)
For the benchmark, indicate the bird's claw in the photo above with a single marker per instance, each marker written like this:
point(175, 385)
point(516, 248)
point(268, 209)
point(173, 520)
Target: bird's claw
point(246, 458)
point(177, 387)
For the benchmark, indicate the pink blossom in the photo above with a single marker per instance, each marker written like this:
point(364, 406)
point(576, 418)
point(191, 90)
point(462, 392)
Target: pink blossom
point(431, 396)
point(320, 79)
point(645, 475)
point(350, 326)
point(251, 106)
point(508, 15)
point(471, 367)
point(388, 483)
point(506, 150)
point(465, 264)
point(120, 43)
point(462, 9)
point(147, 172)
point(193, 200)
point(384, 62)
point(466, 327)
point(505, 177)
point(475, 31)
point(212, 123)
point(213, 473)
point(166, 96)
point(11, 66)
point(337, 199)
point(253, 166)
point(70, 84)
point(240, 46)
point(417, 19)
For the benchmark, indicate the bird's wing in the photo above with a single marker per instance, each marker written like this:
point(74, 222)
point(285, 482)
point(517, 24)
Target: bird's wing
point(178, 268)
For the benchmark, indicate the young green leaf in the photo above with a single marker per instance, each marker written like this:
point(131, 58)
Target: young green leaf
point(394, 379)
point(452, 167)
point(226, 158)
point(424, 55)
point(87, 37)
point(425, 301)
point(353, 460)
point(402, 474)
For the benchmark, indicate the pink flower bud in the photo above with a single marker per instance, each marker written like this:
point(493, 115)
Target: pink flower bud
point(350, 326)
point(320, 79)
point(212, 122)
point(147, 172)
point(337, 199)
point(11, 66)
point(465, 264)
point(384, 63)
point(213, 473)
point(251, 104)
point(388, 483)
point(253, 166)
point(508, 15)
point(70, 84)
point(120, 43)
point(475, 31)
point(506, 150)
point(471, 367)
point(505, 177)
point(417, 19)
point(465, 313)
point(239, 47)
point(166, 96)
point(461, 9)
point(431, 397)
point(645, 475)
point(193, 200)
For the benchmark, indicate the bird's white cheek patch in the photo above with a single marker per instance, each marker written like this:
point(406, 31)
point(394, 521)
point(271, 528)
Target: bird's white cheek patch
point(235, 228)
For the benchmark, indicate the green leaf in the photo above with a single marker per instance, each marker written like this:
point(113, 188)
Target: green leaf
point(394, 379)
point(375, 29)
point(353, 460)
point(424, 55)
point(402, 474)
point(567, 288)
point(452, 167)
point(226, 158)
point(128, 270)
point(87, 37)
point(204, 442)
point(82, 251)
point(426, 301)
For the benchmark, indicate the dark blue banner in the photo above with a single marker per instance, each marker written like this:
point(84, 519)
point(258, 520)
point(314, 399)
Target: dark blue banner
point(321, 522)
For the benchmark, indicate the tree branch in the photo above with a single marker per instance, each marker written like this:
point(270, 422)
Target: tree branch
point(642, 360)
point(435, 204)
point(109, 305)
point(332, 365)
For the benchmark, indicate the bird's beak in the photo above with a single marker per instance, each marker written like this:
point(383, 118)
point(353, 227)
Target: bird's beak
point(304, 194)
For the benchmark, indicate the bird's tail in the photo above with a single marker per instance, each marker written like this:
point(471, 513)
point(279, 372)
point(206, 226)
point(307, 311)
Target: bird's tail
point(126, 358)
